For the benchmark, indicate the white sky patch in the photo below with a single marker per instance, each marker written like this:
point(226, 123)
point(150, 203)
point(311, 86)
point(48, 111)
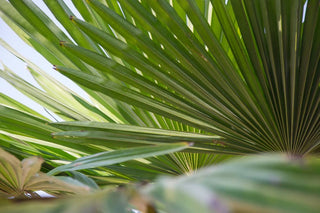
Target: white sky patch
point(280, 24)
point(16, 65)
point(304, 11)
point(44, 194)
point(210, 11)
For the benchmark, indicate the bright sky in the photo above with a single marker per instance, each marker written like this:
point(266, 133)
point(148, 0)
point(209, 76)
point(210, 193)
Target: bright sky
point(19, 67)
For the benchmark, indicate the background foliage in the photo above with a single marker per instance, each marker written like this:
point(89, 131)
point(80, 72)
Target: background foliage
point(173, 86)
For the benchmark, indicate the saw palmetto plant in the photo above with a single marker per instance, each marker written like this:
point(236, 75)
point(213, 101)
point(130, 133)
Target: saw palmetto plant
point(173, 86)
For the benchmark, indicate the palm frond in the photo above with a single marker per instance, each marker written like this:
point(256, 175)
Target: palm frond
point(265, 183)
point(245, 74)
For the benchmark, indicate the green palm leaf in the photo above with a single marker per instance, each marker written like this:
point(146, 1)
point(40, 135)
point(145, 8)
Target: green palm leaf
point(234, 186)
point(246, 85)
point(268, 183)
point(229, 77)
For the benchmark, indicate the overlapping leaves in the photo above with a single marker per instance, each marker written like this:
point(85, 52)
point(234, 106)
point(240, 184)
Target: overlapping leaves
point(23, 179)
point(267, 183)
point(229, 77)
point(240, 74)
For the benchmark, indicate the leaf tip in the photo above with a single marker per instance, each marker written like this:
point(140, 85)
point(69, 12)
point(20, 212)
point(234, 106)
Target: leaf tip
point(217, 142)
point(53, 135)
point(40, 158)
point(62, 43)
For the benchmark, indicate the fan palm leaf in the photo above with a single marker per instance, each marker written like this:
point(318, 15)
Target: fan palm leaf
point(173, 85)
point(232, 77)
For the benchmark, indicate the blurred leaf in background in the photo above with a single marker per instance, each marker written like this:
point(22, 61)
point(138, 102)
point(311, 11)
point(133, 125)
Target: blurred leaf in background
point(265, 183)
point(22, 179)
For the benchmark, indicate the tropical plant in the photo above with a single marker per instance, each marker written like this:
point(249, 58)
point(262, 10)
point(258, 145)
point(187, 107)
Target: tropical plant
point(19, 180)
point(281, 184)
point(173, 85)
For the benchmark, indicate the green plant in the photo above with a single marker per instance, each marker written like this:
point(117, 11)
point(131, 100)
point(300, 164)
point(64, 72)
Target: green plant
point(20, 180)
point(182, 84)
point(270, 183)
